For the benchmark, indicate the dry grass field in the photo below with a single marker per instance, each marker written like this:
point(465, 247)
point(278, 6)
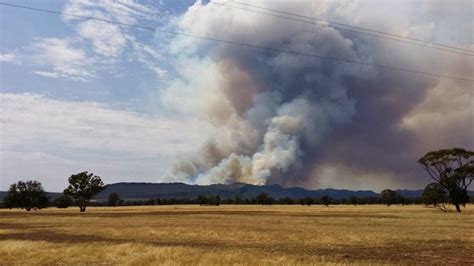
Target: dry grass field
point(238, 235)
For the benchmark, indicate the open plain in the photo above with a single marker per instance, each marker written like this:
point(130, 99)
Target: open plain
point(240, 234)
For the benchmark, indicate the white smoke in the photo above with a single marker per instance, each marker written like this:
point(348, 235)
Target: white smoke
point(261, 125)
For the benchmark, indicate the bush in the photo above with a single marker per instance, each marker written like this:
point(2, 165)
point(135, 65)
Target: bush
point(63, 201)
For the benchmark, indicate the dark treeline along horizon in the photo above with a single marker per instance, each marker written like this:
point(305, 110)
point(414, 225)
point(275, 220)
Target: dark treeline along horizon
point(387, 197)
point(452, 169)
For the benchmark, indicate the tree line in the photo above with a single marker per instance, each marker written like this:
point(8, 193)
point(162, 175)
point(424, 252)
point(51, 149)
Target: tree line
point(451, 169)
point(387, 197)
point(30, 195)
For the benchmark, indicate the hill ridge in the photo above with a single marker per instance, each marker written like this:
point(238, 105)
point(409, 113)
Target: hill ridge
point(180, 190)
point(147, 190)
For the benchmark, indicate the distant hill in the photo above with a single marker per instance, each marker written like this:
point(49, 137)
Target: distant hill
point(140, 191)
point(143, 191)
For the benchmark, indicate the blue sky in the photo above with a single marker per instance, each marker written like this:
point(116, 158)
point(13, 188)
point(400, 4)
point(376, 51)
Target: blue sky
point(99, 81)
point(131, 104)
point(55, 61)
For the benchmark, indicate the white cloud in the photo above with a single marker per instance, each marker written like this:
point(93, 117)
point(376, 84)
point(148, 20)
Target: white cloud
point(47, 74)
point(123, 11)
point(107, 39)
point(160, 72)
point(96, 46)
point(148, 56)
point(58, 51)
point(67, 136)
point(7, 57)
point(61, 58)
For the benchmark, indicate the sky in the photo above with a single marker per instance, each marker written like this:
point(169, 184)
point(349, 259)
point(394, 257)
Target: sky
point(138, 105)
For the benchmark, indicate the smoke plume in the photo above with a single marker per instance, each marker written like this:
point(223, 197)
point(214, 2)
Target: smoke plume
point(298, 120)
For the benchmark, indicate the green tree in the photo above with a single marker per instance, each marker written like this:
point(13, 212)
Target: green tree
point(82, 187)
point(11, 200)
point(354, 200)
point(264, 199)
point(453, 169)
point(237, 199)
point(114, 198)
point(147, 202)
point(308, 201)
point(434, 194)
point(215, 201)
point(326, 200)
point(63, 201)
point(286, 201)
point(202, 200)
point(26, 195)
point(389, 197)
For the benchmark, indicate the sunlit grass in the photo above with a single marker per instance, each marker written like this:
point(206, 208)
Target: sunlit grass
point(237, 234)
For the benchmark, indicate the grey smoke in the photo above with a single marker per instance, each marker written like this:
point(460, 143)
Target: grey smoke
point(287, 119)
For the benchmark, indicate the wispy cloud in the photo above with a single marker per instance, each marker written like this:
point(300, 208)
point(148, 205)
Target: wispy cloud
point(95, 46)
point(109, 41)
point(81, 134)
point(123, 11)
point(149, 57)
point(33, 119)
point(61, 59)
point(7, 57)
point(55, 58)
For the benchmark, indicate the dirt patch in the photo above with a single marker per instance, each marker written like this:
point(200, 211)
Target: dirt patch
point(60, 238)
point(52, 237)
point(25, 226)
point(413, 253)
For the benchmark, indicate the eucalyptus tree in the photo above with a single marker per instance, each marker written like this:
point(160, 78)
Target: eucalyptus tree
point(453, 169)
point(82, 187)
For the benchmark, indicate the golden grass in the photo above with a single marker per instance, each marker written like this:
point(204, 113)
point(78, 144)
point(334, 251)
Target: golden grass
point(237, 235)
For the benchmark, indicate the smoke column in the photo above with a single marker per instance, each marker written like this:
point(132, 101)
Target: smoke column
point(296, 120)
